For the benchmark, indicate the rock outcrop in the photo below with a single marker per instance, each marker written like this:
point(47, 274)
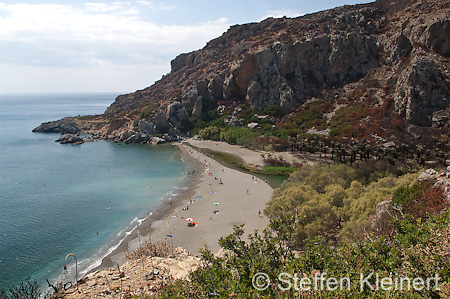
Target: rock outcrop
point(370, 55)
point(135, 278)
point(421, 91)
point(68, 125)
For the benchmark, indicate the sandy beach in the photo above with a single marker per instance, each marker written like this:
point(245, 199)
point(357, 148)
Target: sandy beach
point(236, 196)
point(204, 193)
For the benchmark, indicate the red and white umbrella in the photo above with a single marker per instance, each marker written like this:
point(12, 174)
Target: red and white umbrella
point(189, 219)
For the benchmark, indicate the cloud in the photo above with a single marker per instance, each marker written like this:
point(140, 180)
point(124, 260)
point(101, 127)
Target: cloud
point(116, 46)
point(144, 2)
point(95, 33)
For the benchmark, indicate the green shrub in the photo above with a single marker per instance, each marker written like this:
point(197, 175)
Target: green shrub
point(211, 133)
point(415, 251)
point(272, 110)
point(325, 198)
point(282, 170)
point(146, 111)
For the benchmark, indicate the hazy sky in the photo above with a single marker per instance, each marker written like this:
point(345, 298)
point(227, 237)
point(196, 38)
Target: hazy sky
point(117, 46)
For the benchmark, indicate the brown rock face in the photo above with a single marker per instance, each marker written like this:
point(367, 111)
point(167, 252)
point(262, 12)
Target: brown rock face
point(378, 52)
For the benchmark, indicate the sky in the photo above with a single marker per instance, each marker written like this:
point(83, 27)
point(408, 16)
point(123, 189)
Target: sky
point(117, 46)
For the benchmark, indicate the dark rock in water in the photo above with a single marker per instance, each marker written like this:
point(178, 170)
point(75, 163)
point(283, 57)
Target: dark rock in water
point(64, 126)
point(70, 138)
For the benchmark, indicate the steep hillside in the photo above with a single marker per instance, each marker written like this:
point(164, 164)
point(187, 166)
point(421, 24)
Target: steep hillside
point(376, 72)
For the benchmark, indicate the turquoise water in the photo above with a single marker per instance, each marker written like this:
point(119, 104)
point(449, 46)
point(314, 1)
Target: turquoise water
point(55, 198)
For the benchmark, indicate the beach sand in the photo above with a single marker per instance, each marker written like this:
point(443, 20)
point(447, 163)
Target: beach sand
point(235, 206)
point(249, 156)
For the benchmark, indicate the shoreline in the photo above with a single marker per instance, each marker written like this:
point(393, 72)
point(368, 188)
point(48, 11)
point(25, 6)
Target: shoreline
point(236, 206)
point(238, 197)
point(131, 242)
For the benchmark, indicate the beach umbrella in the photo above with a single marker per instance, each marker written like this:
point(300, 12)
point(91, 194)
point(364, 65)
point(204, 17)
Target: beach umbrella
point(216, 203)
point(189, 219)
point(169, 236)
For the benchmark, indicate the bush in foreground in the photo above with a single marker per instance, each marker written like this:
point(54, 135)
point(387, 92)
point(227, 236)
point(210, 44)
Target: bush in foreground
point(408, 258)
point(419, 251)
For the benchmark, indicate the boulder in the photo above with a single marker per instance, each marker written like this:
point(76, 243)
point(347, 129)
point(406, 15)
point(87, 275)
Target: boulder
point(138, 138)
point(70, 138)
point(157, 140)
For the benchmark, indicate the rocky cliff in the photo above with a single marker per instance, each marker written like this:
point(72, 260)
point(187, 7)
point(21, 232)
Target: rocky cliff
point(390, 58)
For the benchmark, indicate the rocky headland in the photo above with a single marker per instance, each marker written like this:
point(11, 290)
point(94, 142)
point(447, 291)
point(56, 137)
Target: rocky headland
point(389, 60)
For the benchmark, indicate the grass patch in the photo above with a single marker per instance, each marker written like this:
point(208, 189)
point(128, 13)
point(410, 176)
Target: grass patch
point(281, 170)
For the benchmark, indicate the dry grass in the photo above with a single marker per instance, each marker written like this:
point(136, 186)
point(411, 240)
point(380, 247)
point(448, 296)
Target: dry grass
point(159, 249)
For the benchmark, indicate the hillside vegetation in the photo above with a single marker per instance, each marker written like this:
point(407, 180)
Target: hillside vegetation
point(365, 74)
point(407, 239)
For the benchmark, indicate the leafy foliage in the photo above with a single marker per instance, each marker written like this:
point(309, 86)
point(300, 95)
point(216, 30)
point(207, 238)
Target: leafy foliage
point(283, 170)
point(211, 132)
point(416, 248)
point(272, 110)
point(328, 199)
point(417, 251)
point(233, 135)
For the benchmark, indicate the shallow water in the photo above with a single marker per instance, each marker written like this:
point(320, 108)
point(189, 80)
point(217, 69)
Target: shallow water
point(59, 199)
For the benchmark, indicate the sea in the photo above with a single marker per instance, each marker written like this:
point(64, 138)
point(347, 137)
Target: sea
point(59, 199)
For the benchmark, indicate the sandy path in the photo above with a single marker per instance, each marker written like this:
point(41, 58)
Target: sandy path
point(236, 206)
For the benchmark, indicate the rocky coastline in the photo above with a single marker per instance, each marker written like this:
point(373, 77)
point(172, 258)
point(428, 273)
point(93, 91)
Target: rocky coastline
point(383, 66)
point(77, 131)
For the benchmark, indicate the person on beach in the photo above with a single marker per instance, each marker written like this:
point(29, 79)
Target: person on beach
point(259, 213)
point(247, 191)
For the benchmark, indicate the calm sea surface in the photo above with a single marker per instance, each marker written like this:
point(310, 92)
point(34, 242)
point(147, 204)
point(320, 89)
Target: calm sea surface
point(81, 199)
